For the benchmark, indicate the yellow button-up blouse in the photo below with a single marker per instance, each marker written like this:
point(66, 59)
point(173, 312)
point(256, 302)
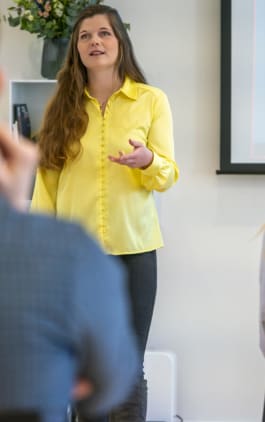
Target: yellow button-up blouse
point(113, 202)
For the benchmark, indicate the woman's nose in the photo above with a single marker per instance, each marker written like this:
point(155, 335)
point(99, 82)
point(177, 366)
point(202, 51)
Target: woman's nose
point(94, 41)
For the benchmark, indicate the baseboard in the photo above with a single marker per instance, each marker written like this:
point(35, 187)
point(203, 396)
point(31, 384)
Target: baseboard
point(196, 420)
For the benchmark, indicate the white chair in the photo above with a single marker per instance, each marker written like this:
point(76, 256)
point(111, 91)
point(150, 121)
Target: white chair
point(160, 372)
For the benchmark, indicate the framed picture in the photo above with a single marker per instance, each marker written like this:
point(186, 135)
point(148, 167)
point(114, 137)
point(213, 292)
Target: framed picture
point(242, 146)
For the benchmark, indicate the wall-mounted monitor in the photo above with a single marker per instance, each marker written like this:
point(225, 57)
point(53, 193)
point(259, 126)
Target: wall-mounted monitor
point(242, 148)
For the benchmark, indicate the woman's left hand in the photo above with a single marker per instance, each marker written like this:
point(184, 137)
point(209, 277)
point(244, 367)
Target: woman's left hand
point(141, 157)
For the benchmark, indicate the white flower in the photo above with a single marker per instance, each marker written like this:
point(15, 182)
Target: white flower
point(58, 12)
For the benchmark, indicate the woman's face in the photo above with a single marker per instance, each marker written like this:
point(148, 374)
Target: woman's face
point(97, 44)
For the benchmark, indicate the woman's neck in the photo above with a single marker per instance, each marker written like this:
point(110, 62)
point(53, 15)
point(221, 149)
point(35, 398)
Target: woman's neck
point(103, 84)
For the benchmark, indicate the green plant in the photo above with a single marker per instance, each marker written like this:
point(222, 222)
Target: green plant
point(47, 18)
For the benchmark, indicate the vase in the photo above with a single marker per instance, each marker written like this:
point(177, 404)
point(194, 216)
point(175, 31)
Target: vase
point(53, 54)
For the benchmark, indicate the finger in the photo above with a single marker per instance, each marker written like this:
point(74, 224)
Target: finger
point(6, 143)
point(129, 161)
point(135, 143)
point(13, 150)
point(114, 159)
point(3, 171)
point(82, 389)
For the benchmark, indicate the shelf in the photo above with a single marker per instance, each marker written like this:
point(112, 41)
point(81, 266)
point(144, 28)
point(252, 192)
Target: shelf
point(35, 94)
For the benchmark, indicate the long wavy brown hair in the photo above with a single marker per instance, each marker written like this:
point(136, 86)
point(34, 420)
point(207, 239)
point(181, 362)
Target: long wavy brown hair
point(65, 119)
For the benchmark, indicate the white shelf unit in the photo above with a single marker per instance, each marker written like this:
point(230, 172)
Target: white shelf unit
point(34, 93)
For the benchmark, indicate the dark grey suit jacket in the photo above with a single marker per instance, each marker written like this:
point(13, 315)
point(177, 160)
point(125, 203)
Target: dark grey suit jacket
point(63, 313)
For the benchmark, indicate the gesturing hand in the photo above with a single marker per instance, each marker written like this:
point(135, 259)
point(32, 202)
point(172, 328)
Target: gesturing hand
point(82, 389)
point(141, 157)
point(17, 164)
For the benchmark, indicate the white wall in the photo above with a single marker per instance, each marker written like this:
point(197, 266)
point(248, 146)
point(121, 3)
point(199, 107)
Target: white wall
point(207, 306)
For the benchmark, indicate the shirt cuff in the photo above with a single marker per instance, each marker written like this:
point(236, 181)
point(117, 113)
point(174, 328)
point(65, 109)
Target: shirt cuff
point(154, 167)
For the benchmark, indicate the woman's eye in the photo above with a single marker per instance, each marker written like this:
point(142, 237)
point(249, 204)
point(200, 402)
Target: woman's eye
point(105, 33)
point(84, 36)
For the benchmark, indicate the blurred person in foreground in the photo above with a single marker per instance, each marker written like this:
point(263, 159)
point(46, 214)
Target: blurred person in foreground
point(64, 321)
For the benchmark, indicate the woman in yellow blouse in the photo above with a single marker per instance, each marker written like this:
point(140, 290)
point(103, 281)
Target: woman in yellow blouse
point(106, 144)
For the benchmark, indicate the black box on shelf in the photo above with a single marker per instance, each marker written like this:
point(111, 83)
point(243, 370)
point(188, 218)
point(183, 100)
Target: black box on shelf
point(21, 116)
